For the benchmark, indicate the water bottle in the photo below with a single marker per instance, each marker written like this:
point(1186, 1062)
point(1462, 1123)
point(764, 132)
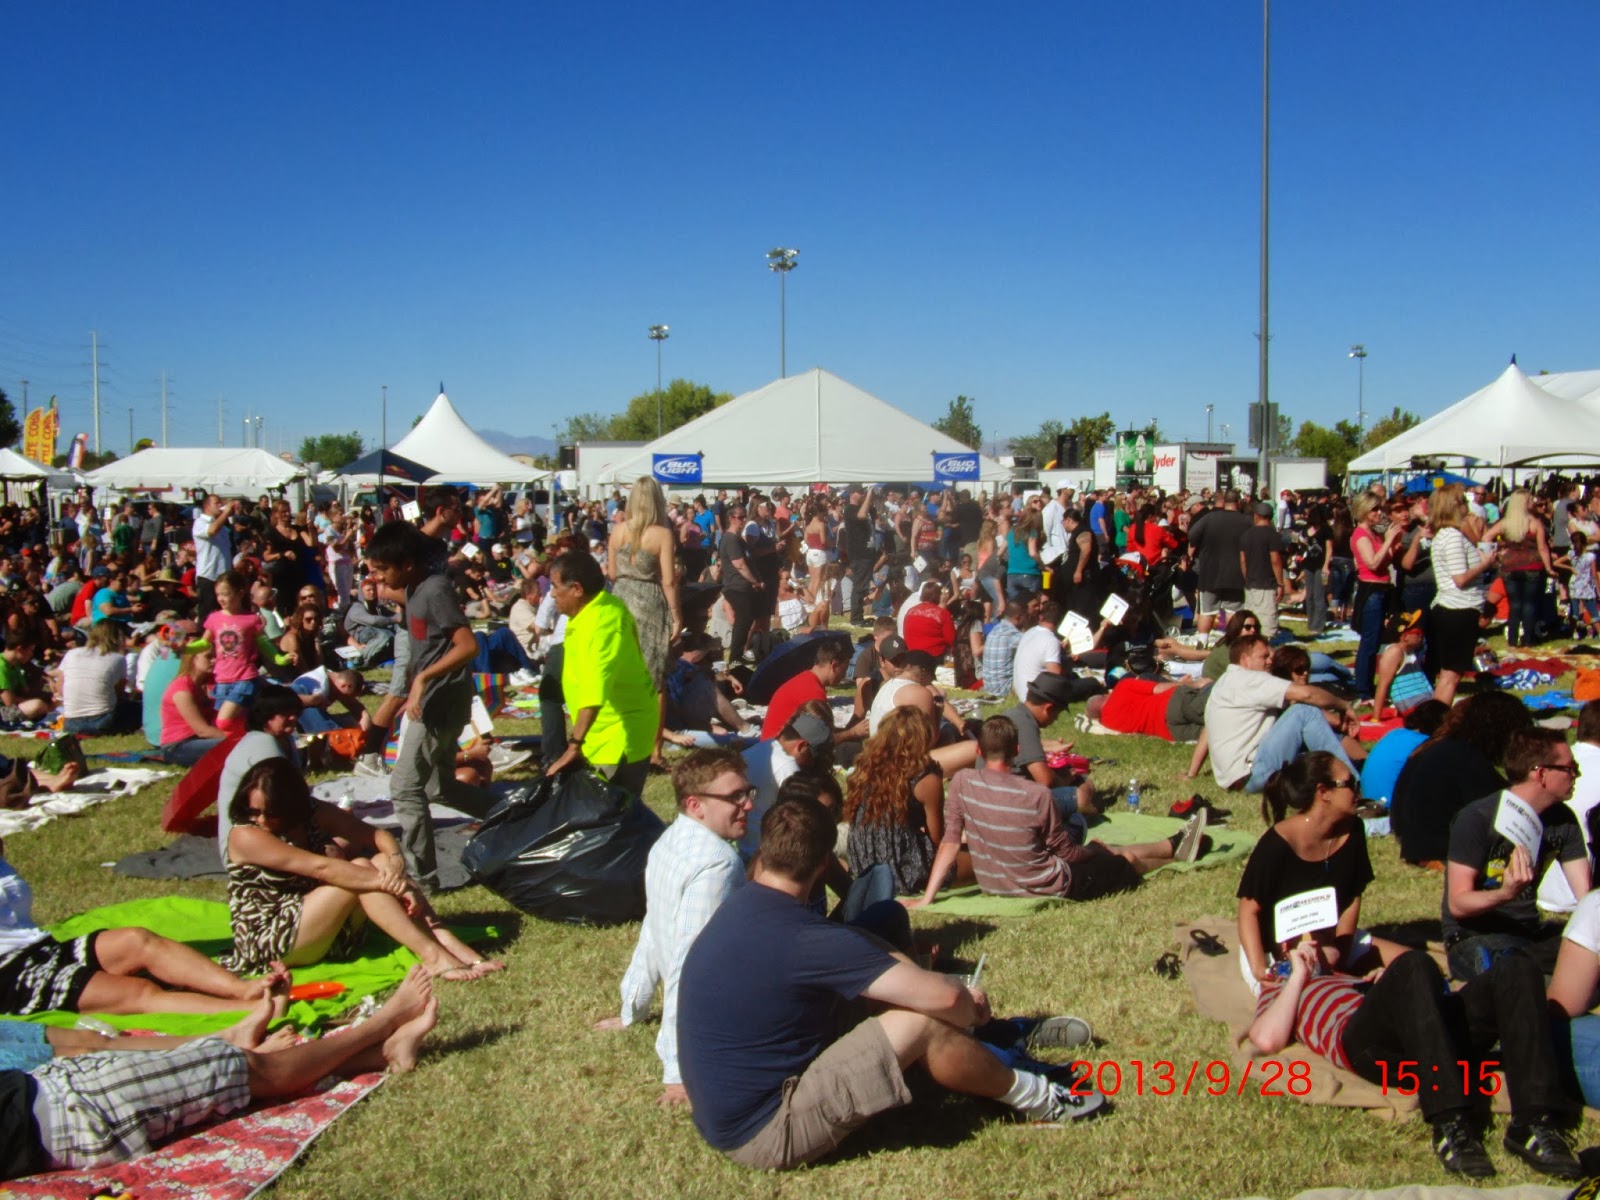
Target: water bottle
point(1133, 795)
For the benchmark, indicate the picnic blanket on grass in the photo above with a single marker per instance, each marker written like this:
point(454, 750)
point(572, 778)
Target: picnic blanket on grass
point(97, 787)
point(204, 925)
point(1114, 829)
point(232, 1160)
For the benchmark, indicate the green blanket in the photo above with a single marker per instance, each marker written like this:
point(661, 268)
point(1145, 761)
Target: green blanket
point(1115, 829)
point(204, 925)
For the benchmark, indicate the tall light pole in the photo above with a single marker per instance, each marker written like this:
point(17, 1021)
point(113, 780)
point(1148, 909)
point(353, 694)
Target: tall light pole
point(1209, 407)
point(1268, 425)
point(260, 441)
point(1359, 353)
point(782, 261)
point(658, 334)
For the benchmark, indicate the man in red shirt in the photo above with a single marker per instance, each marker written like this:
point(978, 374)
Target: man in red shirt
point(828, 670)
point(929, 626)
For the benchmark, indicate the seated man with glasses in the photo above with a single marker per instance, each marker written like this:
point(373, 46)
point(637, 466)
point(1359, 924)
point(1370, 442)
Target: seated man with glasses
point(693, 868)
point(1500, 846)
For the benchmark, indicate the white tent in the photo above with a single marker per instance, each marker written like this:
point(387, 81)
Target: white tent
point(1514, 421)
point(808, 428)
point(444, 442)
point(16, 466)
point(234, 471)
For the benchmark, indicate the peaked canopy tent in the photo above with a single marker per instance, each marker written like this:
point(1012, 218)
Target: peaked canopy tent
point(457, 454)
point(390, 465)
point(23, 477)
point(1512, 422)
point(808, 428)
point(234, 472)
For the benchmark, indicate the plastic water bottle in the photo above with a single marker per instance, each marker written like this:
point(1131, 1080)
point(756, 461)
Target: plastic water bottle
point(1133, 795)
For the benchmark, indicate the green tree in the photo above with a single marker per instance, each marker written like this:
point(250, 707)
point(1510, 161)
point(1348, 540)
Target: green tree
point(1390, 426)
point(1338, 445)
point(1093, 432)
point(680, 402)
point(332, 450)
point(10, 427)
point(958, 422)
point(1041, 444)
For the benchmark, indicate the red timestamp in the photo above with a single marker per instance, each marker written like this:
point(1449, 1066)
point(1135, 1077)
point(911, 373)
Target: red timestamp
point(1410, 1078)
point(1217, 1077)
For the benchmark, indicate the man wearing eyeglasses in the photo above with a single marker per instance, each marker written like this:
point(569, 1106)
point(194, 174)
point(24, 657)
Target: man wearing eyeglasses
point(692, 869)
point(1500, 846)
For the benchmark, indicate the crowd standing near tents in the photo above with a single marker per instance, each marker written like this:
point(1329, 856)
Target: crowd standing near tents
point(857, 690)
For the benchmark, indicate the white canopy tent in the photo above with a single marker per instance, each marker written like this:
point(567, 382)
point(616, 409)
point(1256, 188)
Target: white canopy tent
point(233, 471)
point(22, 477)
point(444, 442)
point(1514, 421)
point(808, 428)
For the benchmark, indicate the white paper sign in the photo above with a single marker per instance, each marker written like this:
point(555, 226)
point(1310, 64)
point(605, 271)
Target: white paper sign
point(411, 510)
point(471, 551)
point(1080, 638)
point(920, 563)
point(1519, 824)
point(1304, 913)
point(1114, 609)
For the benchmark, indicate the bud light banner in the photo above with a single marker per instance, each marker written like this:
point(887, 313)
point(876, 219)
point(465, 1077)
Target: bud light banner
point(956, 468)
point(675, 468)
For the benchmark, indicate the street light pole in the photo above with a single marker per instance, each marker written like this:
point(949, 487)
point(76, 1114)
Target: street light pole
point(1209, 407)
point(1359, 353)
point(1268, 425)
point(658, 334)
point(782, 261)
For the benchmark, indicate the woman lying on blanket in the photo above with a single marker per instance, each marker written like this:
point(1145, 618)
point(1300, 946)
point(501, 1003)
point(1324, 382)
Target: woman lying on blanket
point(305, 876)
point(107, 971)
point(1315, 841)
point(1399, 1026)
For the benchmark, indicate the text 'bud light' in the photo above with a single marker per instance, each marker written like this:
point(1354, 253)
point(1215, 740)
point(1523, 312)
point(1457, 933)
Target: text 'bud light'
point(675, 468)
point(955, 466)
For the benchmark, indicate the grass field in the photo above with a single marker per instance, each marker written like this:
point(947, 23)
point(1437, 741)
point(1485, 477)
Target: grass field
point(519, 1097)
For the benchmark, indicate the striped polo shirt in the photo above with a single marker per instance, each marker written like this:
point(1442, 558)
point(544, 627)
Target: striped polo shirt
point(1010, 826)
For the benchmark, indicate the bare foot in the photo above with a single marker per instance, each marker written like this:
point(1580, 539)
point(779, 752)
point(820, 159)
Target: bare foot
point(248, 1033)
point(400, 1050)
point(61, 780)
point(608, 1024)
point(410, 997)
point(280, 1038)
point(486, 966)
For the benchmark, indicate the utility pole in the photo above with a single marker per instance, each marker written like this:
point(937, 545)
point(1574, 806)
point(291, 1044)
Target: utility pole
point(130, 431)
point(1269, 427)
point(164, 408)
point(219, 419)
point(94, 356)
point(385, 433)
point(24, 399)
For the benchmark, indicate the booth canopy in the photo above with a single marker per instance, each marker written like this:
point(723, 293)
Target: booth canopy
point(232, 471)
point(808, 428)
point(386, 462)
point(1514, 421)
point(16, 466)
point(457, 454)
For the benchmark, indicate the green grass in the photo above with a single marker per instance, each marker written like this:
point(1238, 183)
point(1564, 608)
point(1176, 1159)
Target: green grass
point(520, 1098)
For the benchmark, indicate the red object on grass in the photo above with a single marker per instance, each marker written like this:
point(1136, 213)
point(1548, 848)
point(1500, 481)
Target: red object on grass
point(196, 792)
point(316, 991)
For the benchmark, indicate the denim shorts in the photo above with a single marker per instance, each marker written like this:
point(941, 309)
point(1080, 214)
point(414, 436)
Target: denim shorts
point(242, 693)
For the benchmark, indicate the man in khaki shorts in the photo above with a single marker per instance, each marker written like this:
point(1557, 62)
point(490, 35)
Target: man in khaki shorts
point(772, 1082)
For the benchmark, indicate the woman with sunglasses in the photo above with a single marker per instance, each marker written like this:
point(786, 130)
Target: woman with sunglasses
point(1217, 657)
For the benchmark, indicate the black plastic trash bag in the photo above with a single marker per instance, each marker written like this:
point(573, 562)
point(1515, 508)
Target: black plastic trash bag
point(571, 848)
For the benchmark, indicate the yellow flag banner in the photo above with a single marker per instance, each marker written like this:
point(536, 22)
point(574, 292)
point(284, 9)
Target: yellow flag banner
point(33, 434)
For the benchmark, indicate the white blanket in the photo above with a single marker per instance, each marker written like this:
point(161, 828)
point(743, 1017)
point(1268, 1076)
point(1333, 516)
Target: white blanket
point(108, 783)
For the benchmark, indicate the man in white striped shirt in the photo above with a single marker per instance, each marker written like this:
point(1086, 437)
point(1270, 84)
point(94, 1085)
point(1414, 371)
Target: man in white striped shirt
point(692, 869)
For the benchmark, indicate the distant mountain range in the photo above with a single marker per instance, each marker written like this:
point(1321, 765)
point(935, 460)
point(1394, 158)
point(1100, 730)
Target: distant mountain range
point(508, 443)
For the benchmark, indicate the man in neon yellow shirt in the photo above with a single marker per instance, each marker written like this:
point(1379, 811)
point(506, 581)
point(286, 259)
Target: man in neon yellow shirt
point(606, 685)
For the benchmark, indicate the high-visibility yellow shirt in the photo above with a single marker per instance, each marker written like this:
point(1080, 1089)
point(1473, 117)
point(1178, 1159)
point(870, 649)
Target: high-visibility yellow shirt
point(603, 668)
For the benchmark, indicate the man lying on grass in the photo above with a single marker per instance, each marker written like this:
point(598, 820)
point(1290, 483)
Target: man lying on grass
point(94, 1109)
point(772, 1081)
point(1020, 846)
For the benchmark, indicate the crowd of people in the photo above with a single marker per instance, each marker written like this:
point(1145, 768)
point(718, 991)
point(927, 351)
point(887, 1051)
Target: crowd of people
point(788, 1019)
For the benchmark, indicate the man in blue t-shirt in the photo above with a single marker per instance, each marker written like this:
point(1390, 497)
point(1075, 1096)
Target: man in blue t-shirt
point(771, 1081)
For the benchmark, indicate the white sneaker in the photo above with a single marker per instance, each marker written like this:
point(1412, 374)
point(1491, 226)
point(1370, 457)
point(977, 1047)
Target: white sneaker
point(370, 766)
point(523, 679)
point(1064, 1107)
point(504, 759)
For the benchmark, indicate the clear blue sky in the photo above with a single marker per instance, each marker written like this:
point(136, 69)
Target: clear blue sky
point(1050, 208)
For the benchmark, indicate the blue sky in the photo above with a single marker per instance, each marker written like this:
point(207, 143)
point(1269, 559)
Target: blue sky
point(1050, 208)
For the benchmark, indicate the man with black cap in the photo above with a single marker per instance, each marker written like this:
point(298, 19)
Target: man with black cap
point(1261, 564)
point(769, 763)
point(1048, 696)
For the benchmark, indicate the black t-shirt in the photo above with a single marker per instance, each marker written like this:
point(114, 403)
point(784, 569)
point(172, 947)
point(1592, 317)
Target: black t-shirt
point(1315, 556)
point(1257, 544)
point(969, 520)
point(1474, 842)
point(1215, 538)
point(757, 1002)
point(21, 1152)
point(855, 536)
point(732, 547)
point(1275, 872)
point(1435, 784)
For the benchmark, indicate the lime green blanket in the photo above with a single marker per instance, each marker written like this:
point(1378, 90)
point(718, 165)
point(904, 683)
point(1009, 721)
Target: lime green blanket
point(204, 925)
point(1115, 829)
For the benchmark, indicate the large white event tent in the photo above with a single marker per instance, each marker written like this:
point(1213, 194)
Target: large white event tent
point(808, 428)
point(446, 443)
point(232, 471)
point(1516, 421)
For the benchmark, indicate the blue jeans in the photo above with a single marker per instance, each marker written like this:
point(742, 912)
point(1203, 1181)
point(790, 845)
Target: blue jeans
point(189, 751)
point(1372, 603)
point(1018, 585)
point(1579, 1041)
point(992, 589)
point(320, 720)
point(1325, 669)
point(1301, 728)
point(1340, 572)
point(495, 648)
point(1524, 592)
point(1316, 602)
point(124, 718)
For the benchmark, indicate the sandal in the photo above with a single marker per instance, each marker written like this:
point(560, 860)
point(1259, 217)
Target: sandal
point(1208, 945)
point(1168, 966)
